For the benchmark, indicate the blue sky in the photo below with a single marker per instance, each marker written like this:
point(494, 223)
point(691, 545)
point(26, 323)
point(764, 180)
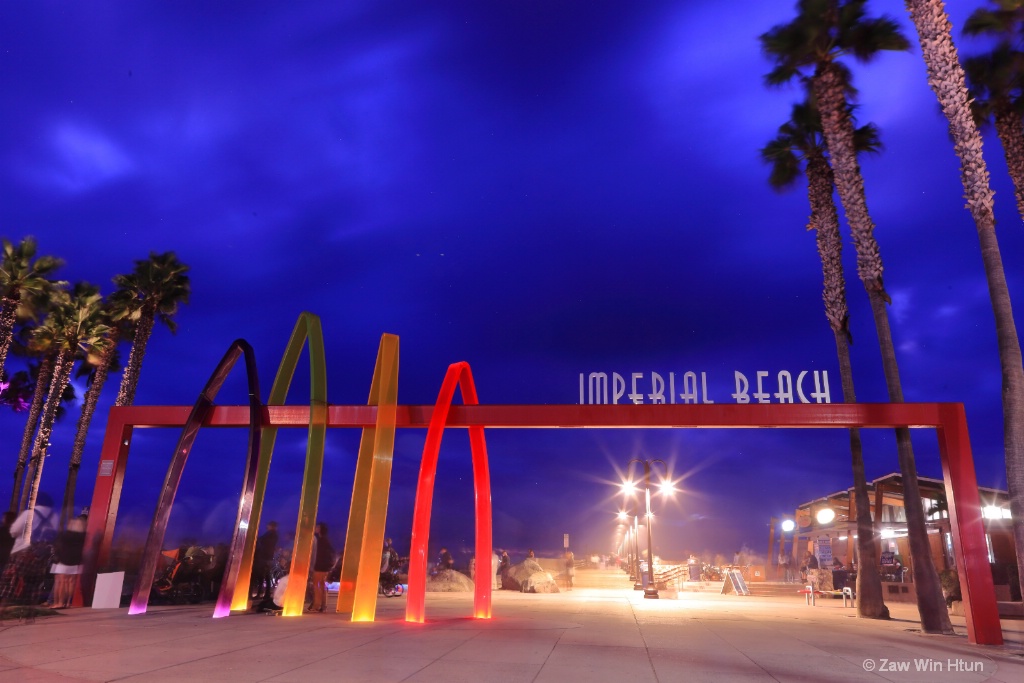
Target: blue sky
point(540, 189)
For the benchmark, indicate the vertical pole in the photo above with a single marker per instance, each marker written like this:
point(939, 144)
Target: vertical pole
point(651, 591)
point(980, 608)
point(637, 576)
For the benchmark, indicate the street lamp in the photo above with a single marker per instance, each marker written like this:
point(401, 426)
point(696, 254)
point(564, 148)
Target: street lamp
point(629, 521)
point(666, 488)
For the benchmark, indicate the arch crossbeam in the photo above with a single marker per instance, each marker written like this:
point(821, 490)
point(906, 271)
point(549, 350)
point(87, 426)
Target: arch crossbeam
point(948, 420)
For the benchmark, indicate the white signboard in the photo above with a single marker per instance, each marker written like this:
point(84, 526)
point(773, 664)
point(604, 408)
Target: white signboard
point(690, 387)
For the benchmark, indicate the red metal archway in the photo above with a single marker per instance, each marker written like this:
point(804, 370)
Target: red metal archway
point(948, 420)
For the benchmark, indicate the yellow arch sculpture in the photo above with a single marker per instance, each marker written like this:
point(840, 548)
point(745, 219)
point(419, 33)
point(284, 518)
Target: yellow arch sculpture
point(360, 565)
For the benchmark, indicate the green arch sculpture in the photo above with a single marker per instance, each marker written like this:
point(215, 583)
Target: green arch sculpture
point(307, 328)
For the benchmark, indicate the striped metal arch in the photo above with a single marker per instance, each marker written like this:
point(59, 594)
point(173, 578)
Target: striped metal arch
point(458, 375)
point(158, 529)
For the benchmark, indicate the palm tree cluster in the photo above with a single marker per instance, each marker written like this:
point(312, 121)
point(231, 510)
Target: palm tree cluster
point(56, 326)
point(822, 139)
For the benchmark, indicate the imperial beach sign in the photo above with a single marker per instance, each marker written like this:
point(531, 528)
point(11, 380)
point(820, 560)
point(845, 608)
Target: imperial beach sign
point(691, 387)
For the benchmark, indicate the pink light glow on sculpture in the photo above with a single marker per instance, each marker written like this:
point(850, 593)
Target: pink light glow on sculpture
point(459, 374)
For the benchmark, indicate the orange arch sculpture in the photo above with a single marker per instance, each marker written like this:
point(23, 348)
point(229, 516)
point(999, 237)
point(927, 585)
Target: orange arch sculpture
point(200, 412)
point(458, 375)
point(367, 515)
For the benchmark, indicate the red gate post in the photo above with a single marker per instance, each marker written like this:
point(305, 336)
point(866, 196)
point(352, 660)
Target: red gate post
point(106, 495)
point(979, 596)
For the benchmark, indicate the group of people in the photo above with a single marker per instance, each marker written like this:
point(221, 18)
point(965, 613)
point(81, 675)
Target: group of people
point(40, 562)
point(268, 587)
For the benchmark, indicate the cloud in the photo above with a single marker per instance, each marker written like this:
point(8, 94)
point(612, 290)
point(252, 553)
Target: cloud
point(80, 159)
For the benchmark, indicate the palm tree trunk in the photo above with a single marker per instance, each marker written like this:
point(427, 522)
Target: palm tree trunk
point(43, 376)
point(825, 222)
point(869, 580)
point(68, 509)
point(930, 601)
point(1010, 128)
point(8, 314)
point(61, 376)
point(89, 403)
point(132, 369)
point(946, 78)
point(829, 89)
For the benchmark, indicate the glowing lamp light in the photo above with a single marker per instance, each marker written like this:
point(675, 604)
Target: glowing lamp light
point(666, 488)
point(623, 514)
point(788, 525)
point(888, 533)
point(992, 512)
point(629, 487)
point(825, 515)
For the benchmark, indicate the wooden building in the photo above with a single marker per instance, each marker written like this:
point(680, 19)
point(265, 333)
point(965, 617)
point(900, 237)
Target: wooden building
point(827, 527)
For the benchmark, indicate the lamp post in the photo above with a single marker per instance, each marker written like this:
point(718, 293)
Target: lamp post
point(787, 526)
point(651, 591)
point(635, 575)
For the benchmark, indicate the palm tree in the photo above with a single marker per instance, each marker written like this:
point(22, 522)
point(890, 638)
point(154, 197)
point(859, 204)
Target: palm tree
point(96, 369)
point(42, 372)
point(156, 288)
point(33, 340)
point(996, 82)
point(75, 326)
point(22, 276)
point(800, 141)
point(946, 78)
point(822, 32)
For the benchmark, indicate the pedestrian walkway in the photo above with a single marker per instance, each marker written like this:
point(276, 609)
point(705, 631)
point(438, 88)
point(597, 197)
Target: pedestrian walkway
point(590, 634)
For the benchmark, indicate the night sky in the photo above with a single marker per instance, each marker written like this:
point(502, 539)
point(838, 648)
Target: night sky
point(541, 189)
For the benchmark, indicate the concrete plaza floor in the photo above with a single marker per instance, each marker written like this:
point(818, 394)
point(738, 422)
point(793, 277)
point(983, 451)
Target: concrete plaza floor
point(592, 635)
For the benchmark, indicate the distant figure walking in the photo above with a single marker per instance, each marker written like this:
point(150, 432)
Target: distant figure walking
point(24, 579)
point(68, 550)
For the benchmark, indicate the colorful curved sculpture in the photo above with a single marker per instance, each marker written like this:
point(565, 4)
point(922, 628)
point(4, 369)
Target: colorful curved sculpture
point(459, 375)
point(367, 515)
point(307, 329)
point(157, 530)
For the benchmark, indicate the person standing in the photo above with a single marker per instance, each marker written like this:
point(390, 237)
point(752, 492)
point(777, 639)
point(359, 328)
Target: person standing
point(570, 569)
point(445, 561)
point(323, 560)
point(496, 568)
point(68, 550)
point(6, 540)
point(263, 562)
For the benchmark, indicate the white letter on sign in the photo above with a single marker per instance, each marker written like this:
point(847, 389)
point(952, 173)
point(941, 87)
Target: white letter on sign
point(785, 394)
point(618, 387)
point(741, 388)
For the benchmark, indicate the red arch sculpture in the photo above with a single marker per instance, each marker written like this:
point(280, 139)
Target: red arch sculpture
point(459, 375)
point(200, 412)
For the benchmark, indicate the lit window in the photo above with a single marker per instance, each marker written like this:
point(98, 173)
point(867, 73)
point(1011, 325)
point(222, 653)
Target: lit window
point(992, 512)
